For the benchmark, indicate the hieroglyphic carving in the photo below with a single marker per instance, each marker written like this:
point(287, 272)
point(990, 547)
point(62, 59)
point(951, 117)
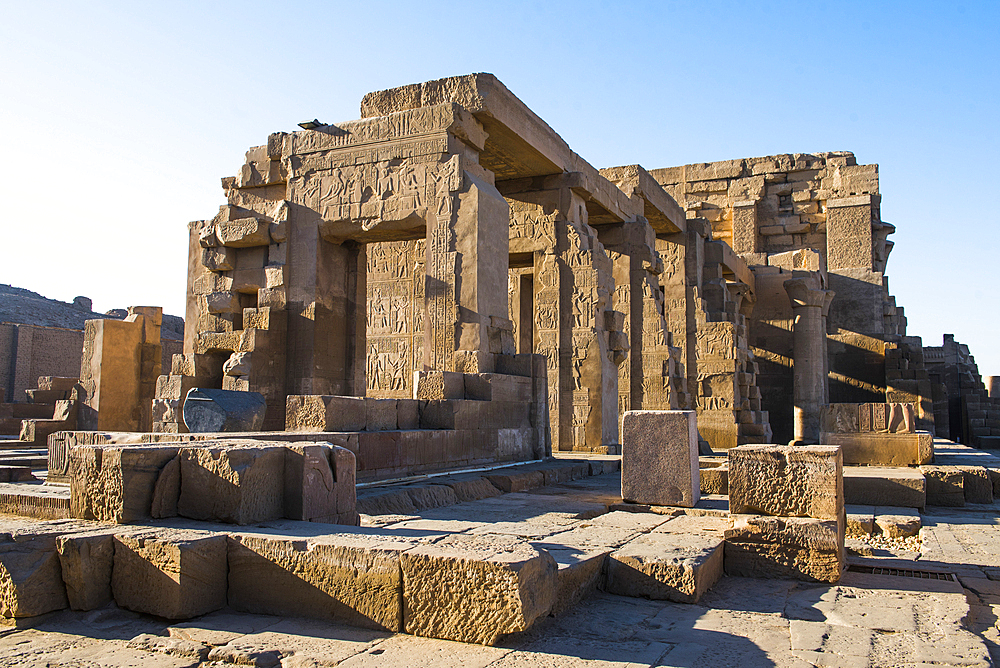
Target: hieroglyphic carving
point(395, 316)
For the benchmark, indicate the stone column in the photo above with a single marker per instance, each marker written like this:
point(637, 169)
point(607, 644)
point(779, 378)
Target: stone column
point(810, 304)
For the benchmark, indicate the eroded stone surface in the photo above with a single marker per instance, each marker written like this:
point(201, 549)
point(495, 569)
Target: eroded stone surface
point(788, 481)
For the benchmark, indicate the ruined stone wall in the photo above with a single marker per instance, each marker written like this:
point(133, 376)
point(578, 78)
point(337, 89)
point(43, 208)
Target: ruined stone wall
point(961, 401)
point(769, 209)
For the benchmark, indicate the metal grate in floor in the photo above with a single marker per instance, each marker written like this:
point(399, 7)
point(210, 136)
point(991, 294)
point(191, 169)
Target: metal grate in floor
point(902, 572)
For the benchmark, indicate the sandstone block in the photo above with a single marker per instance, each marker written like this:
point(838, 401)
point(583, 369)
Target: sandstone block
point(86, 560)
point(660, 458)
point(351, 575)
point(325, 413)
point(976, 484)
point(945, 485)
point(407, 414)
point(30, 580)
point(877, 486)
point(788, 481)
point(380, 414)
point(239, 482)
point(211, 410)
point(431, 385)
point(115, 483)
point(896, 522)
point(860, 520)
point(677, 567)
point(776, 547)
point(171, 573)
point(883, 449)
point(243, 232)
point(320, 484)
point(444, 595)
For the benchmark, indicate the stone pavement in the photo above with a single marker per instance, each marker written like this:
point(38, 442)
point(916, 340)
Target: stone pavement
point(865, 620)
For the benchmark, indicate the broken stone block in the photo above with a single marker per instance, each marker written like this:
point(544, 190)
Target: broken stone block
point(787, 481)
point(243, 232)
point(211, 410)
point(30, 577)
point(86, 560)
point(678, 567)
point(860, 520)
point(438, 385)
point(167, 490)
point(660, 458)
point(945, 485)
point(115, 483)
point(239, 482)
point(896, 522)
point(320, 484)
point(292, 569)
point(171, 573)
point(775, 547)
point(976, 484)
point(444, 594)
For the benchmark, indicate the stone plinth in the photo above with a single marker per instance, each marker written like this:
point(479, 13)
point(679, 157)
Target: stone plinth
point(883, 449)
point(776, 547)
point(660, 458)
point(211, 410)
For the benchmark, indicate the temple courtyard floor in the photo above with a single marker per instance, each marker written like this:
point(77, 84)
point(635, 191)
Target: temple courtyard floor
point(934, 600)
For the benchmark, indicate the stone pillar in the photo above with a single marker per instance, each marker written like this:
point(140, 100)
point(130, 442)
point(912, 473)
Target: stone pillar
point(993, 386)
point(809, 305)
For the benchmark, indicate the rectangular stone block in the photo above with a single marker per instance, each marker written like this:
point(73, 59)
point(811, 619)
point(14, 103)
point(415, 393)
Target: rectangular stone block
point(443, 594)
point(351, 575)
point(171, 573)
point(407, 414)
point(876, 486)
point(239, 482)
point(660, 458)
point(30, 581)
point(380, 414)
point(860, 520)
point(325, 413)
point(116, 483)
point(431, 385)
point(882, 449)
point(787, 481)
point(945, 485)
point(86, 560)
point(976, 484)
point(804, 548)
point(678, 567)
point(319, 484)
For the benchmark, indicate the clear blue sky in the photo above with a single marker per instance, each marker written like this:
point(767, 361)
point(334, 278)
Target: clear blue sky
point(119, 118)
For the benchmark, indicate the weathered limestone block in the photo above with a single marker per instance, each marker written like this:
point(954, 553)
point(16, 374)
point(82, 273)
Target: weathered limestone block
point(883, 449)
point(799, 547)
point(351, 575)
point(30, 577)
point(115, 483)
point(171, 573)
point(660, 458)
point(240, 482)
point(670, 566)
point(788, 481)
point(476, 588)
point(319, 483)
point(945, 485)
point(210, 410)
point(714, 479)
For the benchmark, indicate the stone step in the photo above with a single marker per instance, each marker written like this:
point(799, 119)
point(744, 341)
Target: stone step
point(884, 486)
point(424, 583)
point(40, 459)
point(678, 561)
point(42, 502)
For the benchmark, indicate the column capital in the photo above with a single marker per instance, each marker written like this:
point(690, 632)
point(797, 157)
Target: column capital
point(804, 292)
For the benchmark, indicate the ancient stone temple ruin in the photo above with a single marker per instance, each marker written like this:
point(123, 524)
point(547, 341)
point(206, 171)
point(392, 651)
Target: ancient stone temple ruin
point(441, 303)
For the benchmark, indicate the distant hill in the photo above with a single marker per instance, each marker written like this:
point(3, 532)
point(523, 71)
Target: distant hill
point(25, 307)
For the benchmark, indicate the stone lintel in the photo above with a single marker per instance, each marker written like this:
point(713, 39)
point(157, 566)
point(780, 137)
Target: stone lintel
point(660, 209)
point(721, 252)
